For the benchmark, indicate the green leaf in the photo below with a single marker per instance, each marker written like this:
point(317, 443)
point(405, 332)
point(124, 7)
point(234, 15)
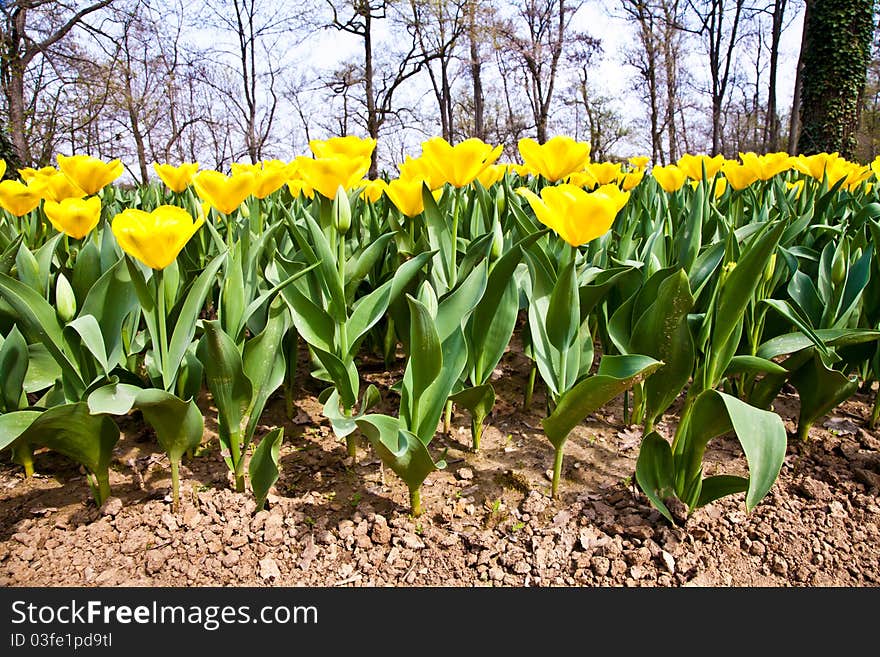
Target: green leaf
point(563, 314)
point(14, 366)
point(714, 488)
point(264, 465)
point(29, 271)
point(264, 363)
point(454, 309)
point(654, 472)
point(753, 365)
point(42, 371)
point(185, 325)
point(86, 271)
point(820, 389)
point(86, 326)
point(87, 439)
point(227, 382)
point(425, 359)
point(178, 424)
point(367, 311)
point(399, 449)
point(615, 374)
point(313, 323)
point(38, 319)
point(792, 315)
point(662, 332)
point(343, 374)
point(110, 300)
point(13, 424)
point(789, 343)
point(327, 267)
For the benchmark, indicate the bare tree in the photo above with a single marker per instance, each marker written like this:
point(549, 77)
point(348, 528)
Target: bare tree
point(31, 31)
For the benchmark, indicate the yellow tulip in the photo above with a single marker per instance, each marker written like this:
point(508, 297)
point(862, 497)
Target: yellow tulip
point(176, 178)
point(74, 216)
point(459, 165)
point(814, 165)
point(373, 189)
point(629, 180)
point(299, 187)
point(2, 168)
point(58, 187)
point(720, 186)
point(766, 166)
point(155, 238)
point(738, 175)
point(670, 177)
point(418, 168)
point(18, 198)
point(492, 174)
point(89, 173)
point(27, 173)
point(226, 193)
point(604, 172)
point(327, 174)
point(519, 169)
point(640, 162)
point(692, 165)
point(268, 181)
point(577, 216)
point(556, 158)
point(351, 147)
point(406, 194)
point(613, 192)
point(797, 185)
point(584, 179)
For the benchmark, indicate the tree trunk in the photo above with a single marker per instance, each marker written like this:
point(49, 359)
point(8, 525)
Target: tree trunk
point(794, 124)
point(372, 115)
point(836, 52)
point(771, 123)
point(476, 73)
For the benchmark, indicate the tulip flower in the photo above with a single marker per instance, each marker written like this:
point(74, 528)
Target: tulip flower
point(74, 216)
point(766, 166)
point(577, 216)
point(177, 178)
point(58, 187)
point(640, 162)
point(814, 165)
point(327, 174)
point(797, 185)
point(18, 198)
point(418, 168)
point(692, 165)
point(2, 168)
point(720, 186)
point(875, 166)
point(519, 169)
point(629, 180)
point(670, 177)
point(350, 146)
point(155, 238)
point(614, 193)
point(226, 193)
point(406, 194)
point(373, 189)
point(89, 173)
point(299, 187)
point(738, 175)
point(458, 165)
point(555, 159)
point(584, 179)
point(492, 174)
point(604, 172)
point(269, 180)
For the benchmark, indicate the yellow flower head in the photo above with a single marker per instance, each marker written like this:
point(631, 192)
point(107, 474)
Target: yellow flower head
point(226, 193)
point(692, 165)
point(519, 169)
point(89, 173)
point(28, 174)
point(74, 216)
point(18, 198)
point(352, 147)
point(629, 180)
point(640, 162)
point(577, 216)
point(875, 167)
point(584, 179)
point(670, 177)
point(766, 166)
point(720, 186)
point(327, 174)
point(613, 192)
point(269, 180)
point(604, 172)
point(814, 165)
point(738, 175)
point(155, 238)
point(492, 174)
point(406, 194)
point(2, 168)
point(797, 185)
point(458, 165)
point(373, 189)
point(58, 187)
point(299, 187)
point(418, 168)
point(851, 172)
point(176, 178)
point(556, 158)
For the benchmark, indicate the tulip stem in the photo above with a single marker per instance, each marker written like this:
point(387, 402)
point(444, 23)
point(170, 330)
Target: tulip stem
point(447, 417)
point(415, 502)
point(530, 386)
point(163, 328)
point(557, 471)
point(175, 485)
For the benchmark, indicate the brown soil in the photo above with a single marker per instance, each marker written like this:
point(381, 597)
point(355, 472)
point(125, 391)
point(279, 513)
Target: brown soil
point(488, 519)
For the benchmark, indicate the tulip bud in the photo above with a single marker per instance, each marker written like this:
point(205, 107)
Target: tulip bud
point(245, 210)
point(497, 241)
point(770, 269)
point(501, 203)
point(428, 298)
point(838, 267)
point(65, 300)
point(341, 211)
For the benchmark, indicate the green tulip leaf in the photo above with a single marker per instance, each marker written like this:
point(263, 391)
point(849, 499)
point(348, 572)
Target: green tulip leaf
point(14, 366)
point(654, 472)
point(263, 467)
